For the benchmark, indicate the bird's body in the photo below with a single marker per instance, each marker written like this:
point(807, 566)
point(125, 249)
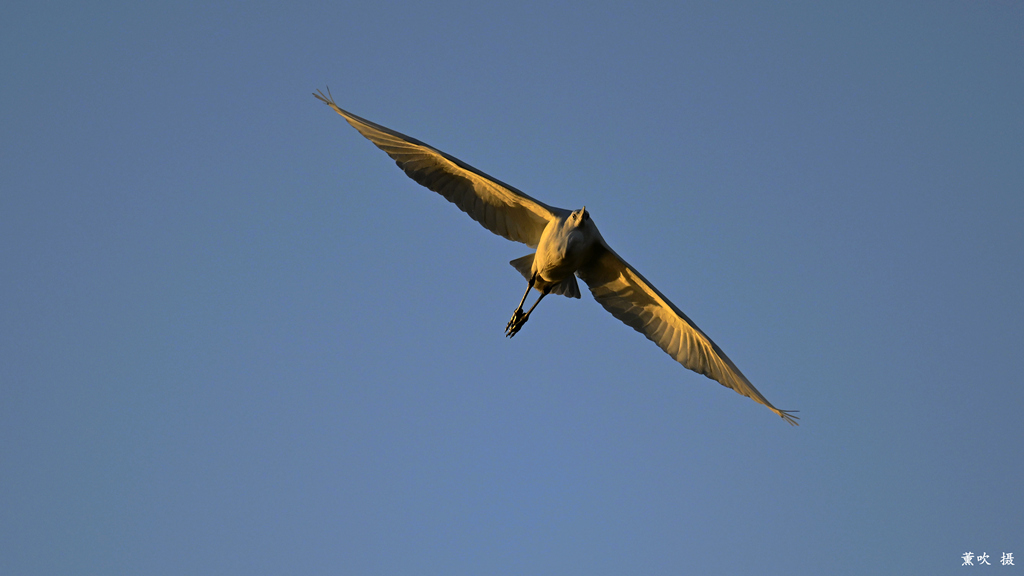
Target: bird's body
point(564, 247)
point(568, 245)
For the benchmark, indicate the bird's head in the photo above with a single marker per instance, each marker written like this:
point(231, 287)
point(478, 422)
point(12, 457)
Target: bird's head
point(580, 216)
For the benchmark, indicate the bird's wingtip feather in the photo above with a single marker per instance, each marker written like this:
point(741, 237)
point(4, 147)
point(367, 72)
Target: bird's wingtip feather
point(329, 99)
point(789, 416)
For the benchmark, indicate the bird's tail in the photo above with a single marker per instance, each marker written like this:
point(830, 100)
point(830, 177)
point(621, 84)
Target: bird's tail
point(524, 265)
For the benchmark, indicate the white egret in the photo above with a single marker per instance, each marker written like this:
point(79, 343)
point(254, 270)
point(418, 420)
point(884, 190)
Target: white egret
point(567, 245)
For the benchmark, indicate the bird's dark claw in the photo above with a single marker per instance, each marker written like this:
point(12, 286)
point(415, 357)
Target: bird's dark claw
point(518, 319)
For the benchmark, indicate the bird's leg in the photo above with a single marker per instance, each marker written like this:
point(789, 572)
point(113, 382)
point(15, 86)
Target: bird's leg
point(519, 318)
point(518, 315)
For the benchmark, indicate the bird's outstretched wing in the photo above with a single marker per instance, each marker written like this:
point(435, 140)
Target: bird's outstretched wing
point(631, 298)
point(497, 206)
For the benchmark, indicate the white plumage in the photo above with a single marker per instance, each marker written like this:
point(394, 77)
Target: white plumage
point(568, 245)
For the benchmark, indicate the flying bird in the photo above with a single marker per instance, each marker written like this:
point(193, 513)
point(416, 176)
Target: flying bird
point(567, 245)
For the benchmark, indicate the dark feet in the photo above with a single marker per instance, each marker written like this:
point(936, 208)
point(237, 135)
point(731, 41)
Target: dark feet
point(516, 323)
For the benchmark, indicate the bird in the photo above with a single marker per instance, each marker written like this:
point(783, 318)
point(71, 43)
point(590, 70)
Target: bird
point(568, 245)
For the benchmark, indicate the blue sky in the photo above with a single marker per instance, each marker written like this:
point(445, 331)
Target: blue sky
point(235, 339)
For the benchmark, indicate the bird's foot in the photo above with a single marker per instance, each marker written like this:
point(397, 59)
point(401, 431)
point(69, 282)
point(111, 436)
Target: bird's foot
point(516, 323)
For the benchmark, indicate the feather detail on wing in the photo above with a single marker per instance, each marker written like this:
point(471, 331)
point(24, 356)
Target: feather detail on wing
point(632, 299)
point(497, 206)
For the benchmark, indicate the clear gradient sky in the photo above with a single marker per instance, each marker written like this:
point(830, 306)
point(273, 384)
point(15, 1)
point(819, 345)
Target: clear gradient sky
point(235, 339)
